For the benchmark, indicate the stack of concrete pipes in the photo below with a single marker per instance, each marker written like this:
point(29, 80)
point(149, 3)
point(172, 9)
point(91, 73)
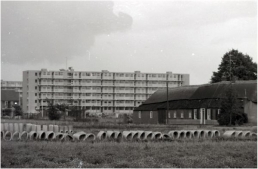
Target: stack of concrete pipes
point(20, 131)
point(149, 135)
point(239, 134)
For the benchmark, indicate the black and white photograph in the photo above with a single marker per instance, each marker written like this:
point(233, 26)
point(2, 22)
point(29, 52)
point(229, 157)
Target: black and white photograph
point(129, 84)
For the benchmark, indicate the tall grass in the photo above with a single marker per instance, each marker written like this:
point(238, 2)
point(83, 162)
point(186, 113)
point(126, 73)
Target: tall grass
point(186, 154)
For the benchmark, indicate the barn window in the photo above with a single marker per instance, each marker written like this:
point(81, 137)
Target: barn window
point(208, 114)
point(151, 114)
point(218, 111)
point(190, 115)
point(195, 113)
point(182, 115)
point(175, 114)
point(169, 115)
point(139, 114)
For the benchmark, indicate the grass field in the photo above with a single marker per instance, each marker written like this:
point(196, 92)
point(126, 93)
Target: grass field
point(187, 154)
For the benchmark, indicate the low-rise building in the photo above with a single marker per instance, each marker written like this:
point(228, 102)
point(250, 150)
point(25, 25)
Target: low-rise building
point(196, 104)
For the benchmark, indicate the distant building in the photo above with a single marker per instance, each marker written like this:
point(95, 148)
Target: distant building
point(94, 92)
point(14, 86)
point(196, 104)
point(9, 98)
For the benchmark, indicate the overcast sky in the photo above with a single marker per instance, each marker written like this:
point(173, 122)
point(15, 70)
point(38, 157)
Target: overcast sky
point(125, 36)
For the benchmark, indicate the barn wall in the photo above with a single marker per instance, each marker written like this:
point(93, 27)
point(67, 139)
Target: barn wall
point(250, 108)
point(145, 117)
point(191, 121)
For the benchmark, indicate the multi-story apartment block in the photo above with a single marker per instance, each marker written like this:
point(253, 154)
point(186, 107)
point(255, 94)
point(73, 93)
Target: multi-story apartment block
point(104, 91)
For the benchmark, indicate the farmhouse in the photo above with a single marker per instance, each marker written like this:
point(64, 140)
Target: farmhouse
point(195, 104)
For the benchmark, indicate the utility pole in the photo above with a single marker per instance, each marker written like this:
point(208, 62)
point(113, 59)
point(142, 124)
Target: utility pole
point(167, 103)
point(230, 120)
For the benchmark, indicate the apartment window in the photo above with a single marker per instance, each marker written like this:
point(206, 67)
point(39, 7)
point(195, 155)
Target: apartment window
point(190, 115)
point(175, 114)
point(195, 113)
point(35, 74)
point(35, 101)
point(36, 87)
point(36, 81)
point(35, 94)
point(151, 114)
point(139, 114)
point(169, 115)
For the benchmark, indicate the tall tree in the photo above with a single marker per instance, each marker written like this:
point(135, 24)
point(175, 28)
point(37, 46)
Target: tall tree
point(241, 66)
point(231, 113)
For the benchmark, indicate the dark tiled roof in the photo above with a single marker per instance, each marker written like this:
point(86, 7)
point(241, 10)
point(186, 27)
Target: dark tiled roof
point(9, 95)
point(206, 96)
point(177, 93)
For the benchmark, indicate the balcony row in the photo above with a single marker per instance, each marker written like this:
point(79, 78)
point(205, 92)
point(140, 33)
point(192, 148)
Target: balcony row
point(98, 91)
point(108, 77)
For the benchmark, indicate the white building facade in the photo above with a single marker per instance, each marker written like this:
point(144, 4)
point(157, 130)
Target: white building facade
point(94, 92)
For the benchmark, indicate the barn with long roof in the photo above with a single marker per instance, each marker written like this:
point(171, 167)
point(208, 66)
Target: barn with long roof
point(195, 104)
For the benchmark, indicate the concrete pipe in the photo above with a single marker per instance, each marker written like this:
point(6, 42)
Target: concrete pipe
point(21, 127)
point(33, 135)
point(56, 128)
point(61, 129)
point(59, 136)
point(135, 135)
point(8, 136)
point(15, 136)
point(67, 137)
point(215, 133)
point(188, 134)
point(148, 135)
point(208, 133)
point(33, 127)
point(127, 135)
point(171, 134)
point(51, 127)
point(44, 128)
point(2, 134)
point(101, 135)
point(141, 135)
point(23, 136)
point(246, 133)
point(201, 133)
point(229, 133)
point(66, 129)
point(11, 127)
point(16, 127)
point(118, 135)
point(90, 137)
point(50, 135)
point(181, 134)
point(38, 128)
point(238, 133)
point(79, 136)
point(6, 127)
point(70, 129)
point(41, 135)
point(156, 136)
point(111, 135)
point(165, 137)
point(253, 134)
point(194, 133)
point(28, 127)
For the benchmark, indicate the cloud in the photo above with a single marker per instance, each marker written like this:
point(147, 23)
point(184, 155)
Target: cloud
point(50, 31)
